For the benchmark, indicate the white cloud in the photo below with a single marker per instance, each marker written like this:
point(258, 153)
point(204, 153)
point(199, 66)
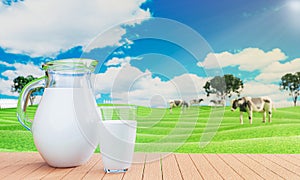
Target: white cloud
point(108, 38)
point(5, 87)
point(23, 70)
point(20, 70)
point(116, 78)
point(259, 89)
point(248, 59)
point(115, 61)
point(45, 27)
point(269, 77)
point(5, 63)
point(118, 61)
point(276, 70)
point(128, 84)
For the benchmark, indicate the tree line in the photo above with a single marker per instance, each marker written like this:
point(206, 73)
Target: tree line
point(221, 86)
point(228, 85)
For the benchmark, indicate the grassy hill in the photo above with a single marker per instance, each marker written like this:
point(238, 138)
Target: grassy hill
point(161, 131)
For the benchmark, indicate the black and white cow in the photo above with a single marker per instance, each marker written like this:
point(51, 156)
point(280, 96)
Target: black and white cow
point(196, 101)
point(250, 105)
point(178, 103)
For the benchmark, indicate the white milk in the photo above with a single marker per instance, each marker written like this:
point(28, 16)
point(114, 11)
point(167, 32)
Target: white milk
point(65, 127)
point(117, 139)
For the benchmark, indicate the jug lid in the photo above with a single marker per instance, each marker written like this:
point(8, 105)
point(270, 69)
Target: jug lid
point(72, 64)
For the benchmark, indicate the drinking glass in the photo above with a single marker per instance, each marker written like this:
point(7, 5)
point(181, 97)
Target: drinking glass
point(117, 137)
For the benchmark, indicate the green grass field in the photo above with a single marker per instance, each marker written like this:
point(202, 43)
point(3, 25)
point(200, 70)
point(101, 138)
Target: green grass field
point(160, 131)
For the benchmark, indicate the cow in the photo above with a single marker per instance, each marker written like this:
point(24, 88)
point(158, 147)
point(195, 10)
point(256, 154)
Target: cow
point(196, 101)
point(178, 103)
point(250, 105)
point(218, 102)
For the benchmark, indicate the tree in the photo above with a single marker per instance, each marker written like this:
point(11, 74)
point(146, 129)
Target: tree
point(224, 86)
point(19, 84)
point(291, 83)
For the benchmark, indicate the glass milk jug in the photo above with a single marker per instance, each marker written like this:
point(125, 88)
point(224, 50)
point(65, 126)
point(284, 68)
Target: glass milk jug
point(65, 123)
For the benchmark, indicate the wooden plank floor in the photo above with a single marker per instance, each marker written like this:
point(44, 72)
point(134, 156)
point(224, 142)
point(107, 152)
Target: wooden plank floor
point(15, 165)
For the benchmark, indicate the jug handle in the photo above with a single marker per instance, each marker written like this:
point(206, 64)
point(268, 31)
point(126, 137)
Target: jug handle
point(23, 101)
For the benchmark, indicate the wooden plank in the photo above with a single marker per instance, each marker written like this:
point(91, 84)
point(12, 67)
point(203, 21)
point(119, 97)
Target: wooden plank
point(40, 172)
point(152, 167)
point(280, 171)
point(58, 173)
point(3, 155)
point(13, 157)
point(10, 158)
point(297, 156)
point(13, 167)
point(206, 170)
point(27, 169)
point(285, 164)
point(136, 170)
point(31, 165)
point(239, 167)
point(257, 167)
point(97, 170)
point(290, 159)
point(224, 170)
point(170, 169)
point(178, 166)
point(187, 167)
point(81, 171)
point(113, 176)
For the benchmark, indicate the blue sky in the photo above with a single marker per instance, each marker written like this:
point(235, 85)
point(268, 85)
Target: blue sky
point(149, 61)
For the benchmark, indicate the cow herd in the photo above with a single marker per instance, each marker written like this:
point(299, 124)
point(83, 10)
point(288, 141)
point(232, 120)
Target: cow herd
point(183, 104)
point(247, 105)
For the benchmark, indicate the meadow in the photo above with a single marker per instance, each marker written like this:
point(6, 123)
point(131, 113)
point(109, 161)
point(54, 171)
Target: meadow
point(162, 131)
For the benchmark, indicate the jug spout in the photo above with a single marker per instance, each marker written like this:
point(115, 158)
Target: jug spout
point(71, 65)
point(70, 73)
